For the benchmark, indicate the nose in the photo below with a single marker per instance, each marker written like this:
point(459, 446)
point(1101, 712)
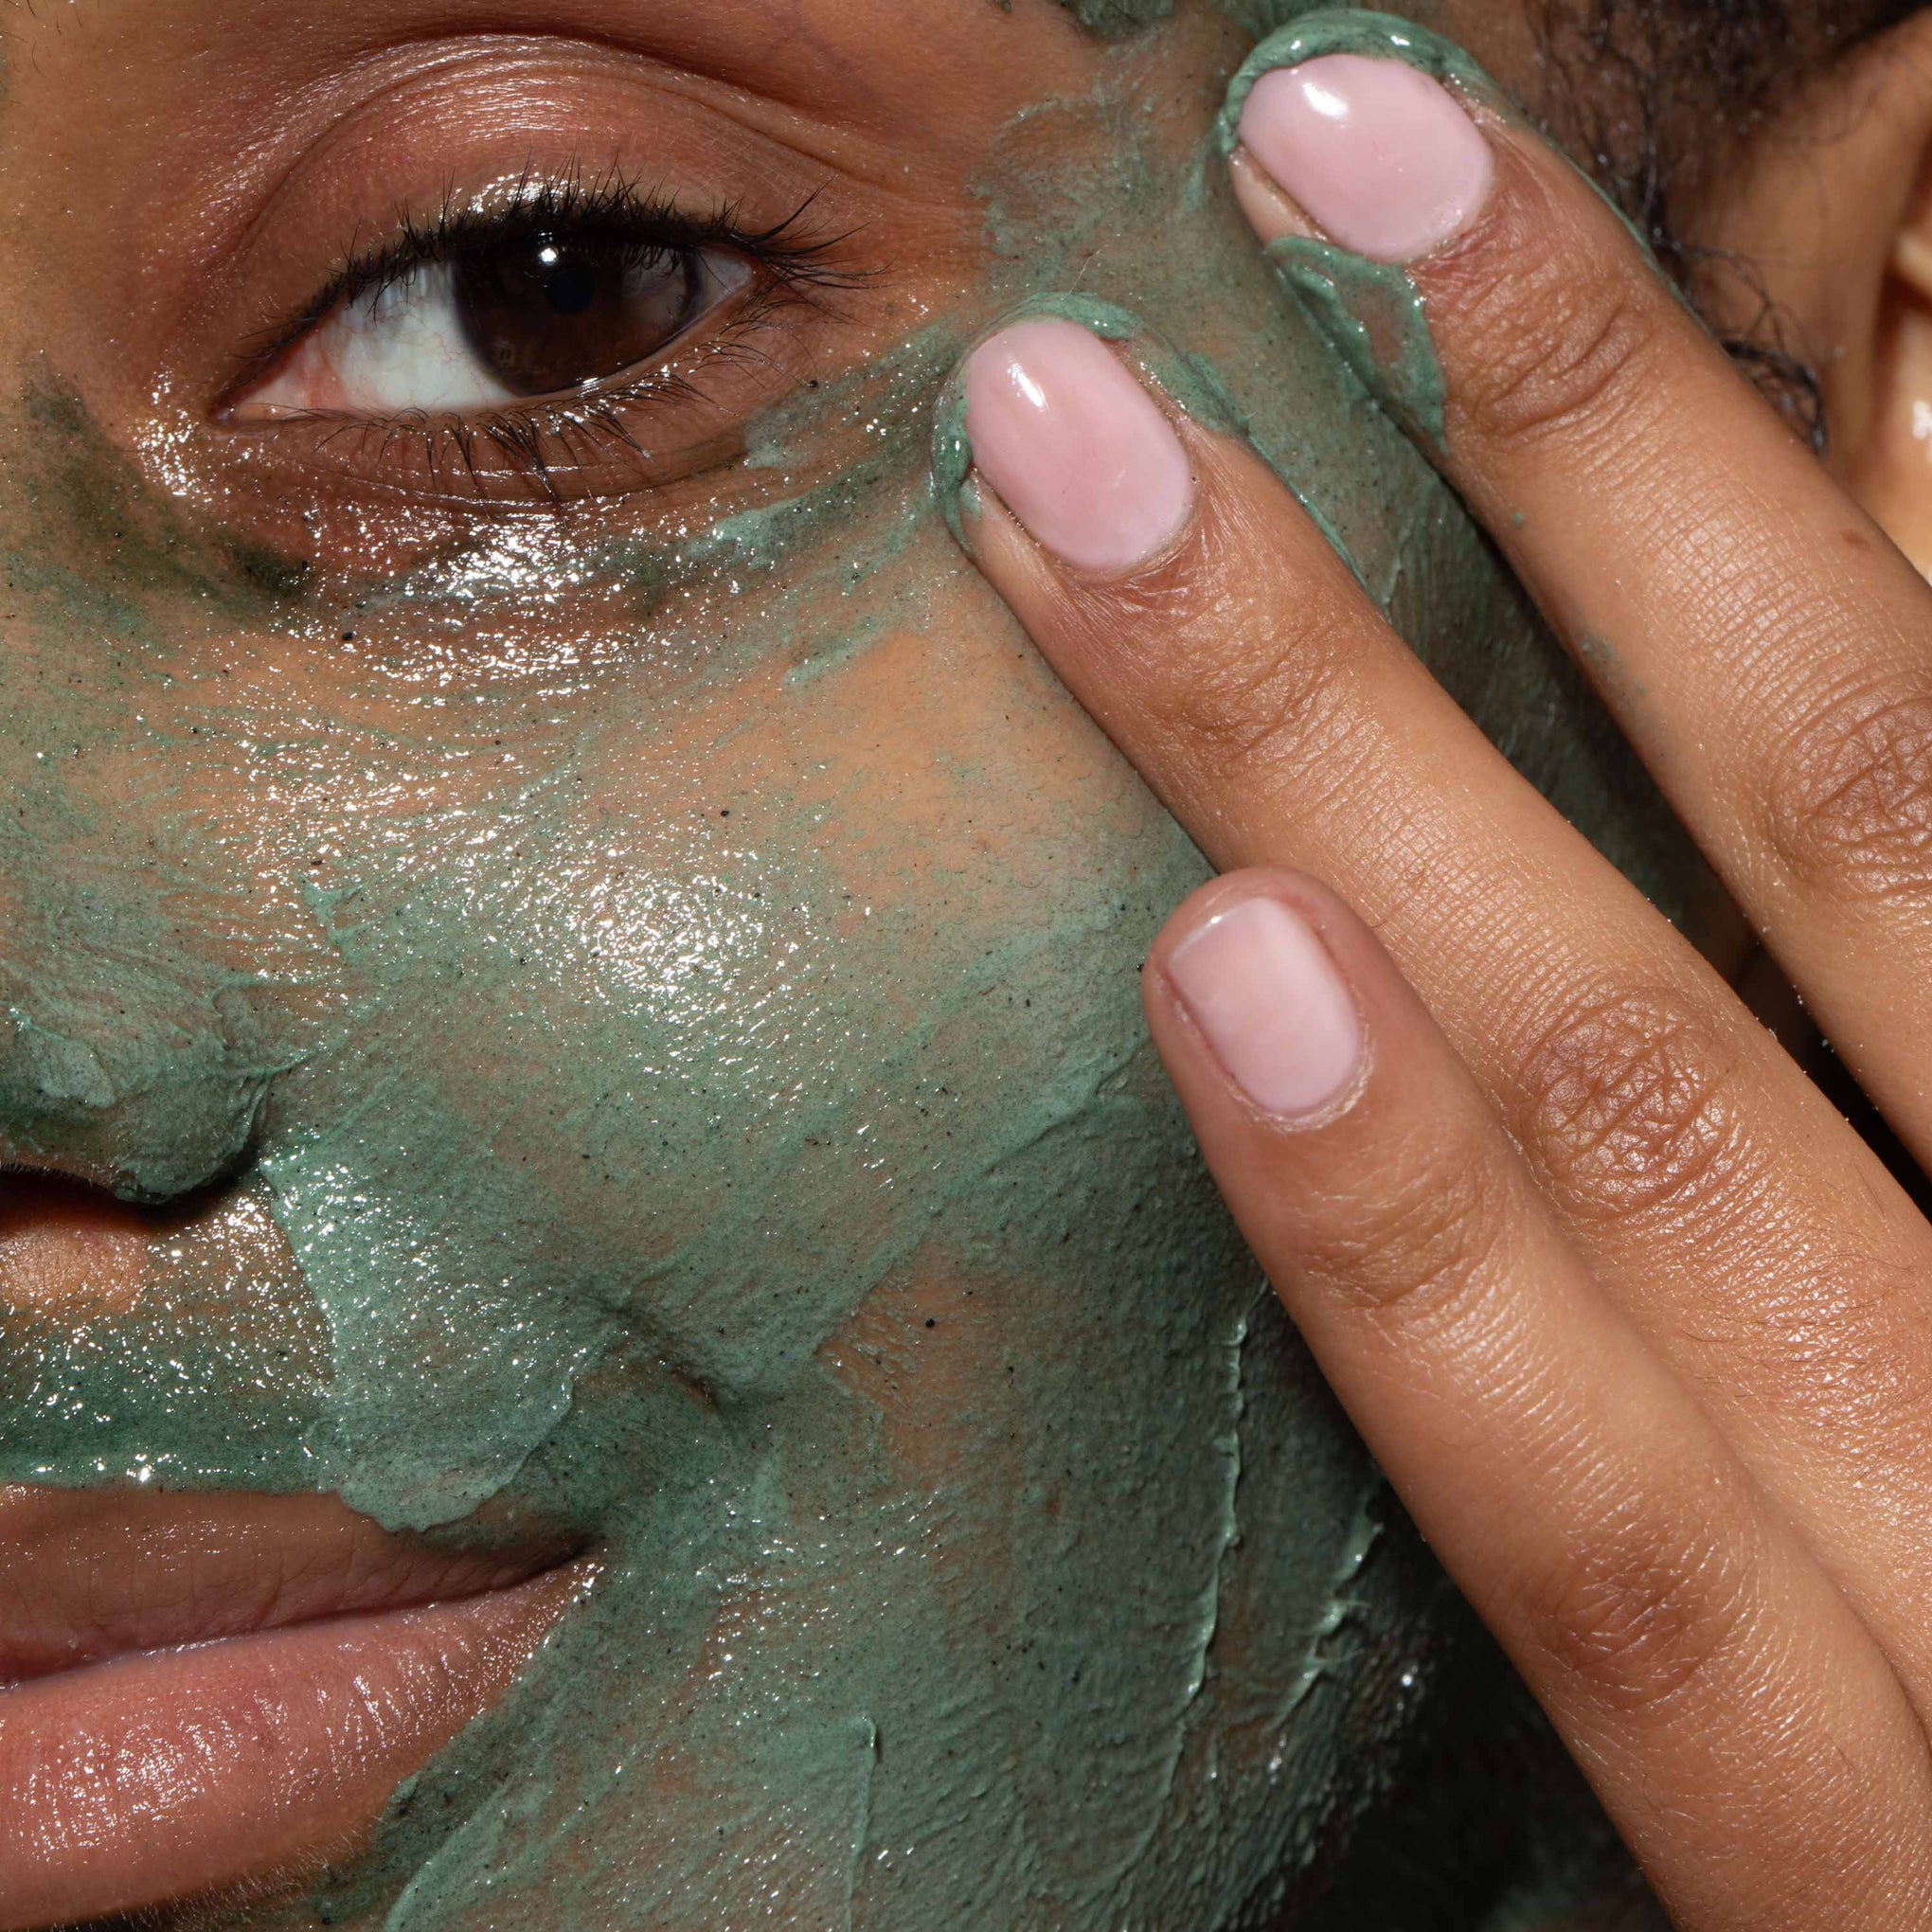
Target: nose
point(148, 1117)
point(123, 1061)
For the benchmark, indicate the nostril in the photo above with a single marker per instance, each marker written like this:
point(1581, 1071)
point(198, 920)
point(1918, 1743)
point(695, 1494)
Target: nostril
point(139, 1033)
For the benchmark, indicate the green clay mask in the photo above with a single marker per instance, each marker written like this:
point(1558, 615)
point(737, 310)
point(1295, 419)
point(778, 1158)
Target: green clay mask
point(1112, 18)
point(1369, 310)
point(655, 1027)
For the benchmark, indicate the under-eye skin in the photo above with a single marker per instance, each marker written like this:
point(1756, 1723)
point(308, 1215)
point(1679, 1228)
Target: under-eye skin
point(573, 325)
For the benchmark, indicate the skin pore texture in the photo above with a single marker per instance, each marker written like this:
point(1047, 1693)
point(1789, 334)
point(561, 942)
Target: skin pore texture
point(637, 1036)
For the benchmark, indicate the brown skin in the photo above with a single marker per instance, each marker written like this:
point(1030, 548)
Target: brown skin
point(138, 231)
point(1633, 1319)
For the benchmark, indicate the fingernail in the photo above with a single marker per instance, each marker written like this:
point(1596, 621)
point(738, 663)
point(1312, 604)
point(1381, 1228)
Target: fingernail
point(1379, 154)
point(1075, 447)
point(1267, 999)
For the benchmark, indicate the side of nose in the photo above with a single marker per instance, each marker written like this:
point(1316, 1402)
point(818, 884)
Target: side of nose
point(125, 1060)
point(150, 1111)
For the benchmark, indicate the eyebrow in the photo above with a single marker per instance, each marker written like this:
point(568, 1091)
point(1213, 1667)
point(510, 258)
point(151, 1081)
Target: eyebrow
point(850, 73)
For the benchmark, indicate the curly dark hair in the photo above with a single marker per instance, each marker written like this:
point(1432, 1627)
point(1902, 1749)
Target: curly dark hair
point(1654, 95)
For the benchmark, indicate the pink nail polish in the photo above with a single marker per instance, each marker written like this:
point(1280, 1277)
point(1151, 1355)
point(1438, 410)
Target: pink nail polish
point(1376, 153)
point(1265, 995)
point(1075, 447)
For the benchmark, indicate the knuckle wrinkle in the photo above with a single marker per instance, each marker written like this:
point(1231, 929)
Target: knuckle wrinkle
point(1544, 354)
point(1626, 1108)
point(1849, 800)
point(1638, 1617)
point(1423, 1249)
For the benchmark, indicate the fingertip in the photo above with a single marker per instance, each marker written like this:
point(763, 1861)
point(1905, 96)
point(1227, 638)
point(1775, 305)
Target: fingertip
point(1381, 154)
point(1271, 213)
point(1247, 969)
point(1070, 440)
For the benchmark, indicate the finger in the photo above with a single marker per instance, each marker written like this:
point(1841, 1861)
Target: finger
point(1748, 1738)
point(1763, 644)
point(1238, 664)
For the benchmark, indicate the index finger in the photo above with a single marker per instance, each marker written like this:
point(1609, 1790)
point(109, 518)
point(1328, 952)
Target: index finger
point(1761, 641)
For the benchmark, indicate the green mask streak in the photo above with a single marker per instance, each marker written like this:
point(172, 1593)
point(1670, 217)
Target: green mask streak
point(1370, 313)
point(789, 1201)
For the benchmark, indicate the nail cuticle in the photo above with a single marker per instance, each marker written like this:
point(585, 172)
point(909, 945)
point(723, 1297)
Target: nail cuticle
point(1124, 490)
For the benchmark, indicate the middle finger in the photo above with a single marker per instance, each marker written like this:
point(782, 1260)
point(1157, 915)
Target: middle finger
point(1189, 603)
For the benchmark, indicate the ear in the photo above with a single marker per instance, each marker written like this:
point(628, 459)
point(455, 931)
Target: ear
point(1823, 247)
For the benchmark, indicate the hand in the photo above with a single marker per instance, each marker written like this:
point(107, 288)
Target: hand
point(1639, 1327)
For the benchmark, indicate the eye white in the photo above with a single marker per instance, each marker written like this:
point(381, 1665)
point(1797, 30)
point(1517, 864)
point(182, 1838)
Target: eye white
point(392, 350)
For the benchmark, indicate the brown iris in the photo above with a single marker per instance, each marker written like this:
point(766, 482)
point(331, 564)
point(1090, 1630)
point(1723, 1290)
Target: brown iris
point(550, 314)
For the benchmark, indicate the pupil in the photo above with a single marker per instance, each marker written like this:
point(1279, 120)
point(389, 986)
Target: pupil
point(553, 314)
point(571, 286)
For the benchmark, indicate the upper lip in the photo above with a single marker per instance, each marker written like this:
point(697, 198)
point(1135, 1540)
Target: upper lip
point(86, 1577)
point(202, 1695)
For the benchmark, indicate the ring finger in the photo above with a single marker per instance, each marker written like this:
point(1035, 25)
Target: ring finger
point(1759, 640)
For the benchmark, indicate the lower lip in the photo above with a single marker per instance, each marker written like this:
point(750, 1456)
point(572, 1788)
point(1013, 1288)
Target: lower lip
point(152, 1778)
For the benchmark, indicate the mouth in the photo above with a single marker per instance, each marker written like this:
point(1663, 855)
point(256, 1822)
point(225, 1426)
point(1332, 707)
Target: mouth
point(206, 1692)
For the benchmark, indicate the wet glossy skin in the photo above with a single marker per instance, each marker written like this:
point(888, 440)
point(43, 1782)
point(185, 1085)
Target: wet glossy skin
point(623, 1009)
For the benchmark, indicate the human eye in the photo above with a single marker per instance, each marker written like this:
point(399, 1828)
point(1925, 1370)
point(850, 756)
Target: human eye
point(560, 336)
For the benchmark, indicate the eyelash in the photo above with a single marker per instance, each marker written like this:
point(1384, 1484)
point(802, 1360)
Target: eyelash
point(796, 269)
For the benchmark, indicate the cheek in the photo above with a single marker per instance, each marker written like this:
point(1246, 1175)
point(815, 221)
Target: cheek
point(792, 963)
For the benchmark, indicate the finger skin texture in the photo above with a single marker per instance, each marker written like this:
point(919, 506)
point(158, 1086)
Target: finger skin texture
point(1748, 1736)
point(1702, 1177)
point(1761, 642)
point(1741, 1254)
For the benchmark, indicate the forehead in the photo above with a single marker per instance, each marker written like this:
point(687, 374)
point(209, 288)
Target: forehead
point(800, 39)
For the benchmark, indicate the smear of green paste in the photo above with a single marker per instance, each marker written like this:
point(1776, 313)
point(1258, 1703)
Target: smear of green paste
point(659, 1117)
point(1370, 313)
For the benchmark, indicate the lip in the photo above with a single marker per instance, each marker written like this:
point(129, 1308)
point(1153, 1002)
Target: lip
point(205, 1693)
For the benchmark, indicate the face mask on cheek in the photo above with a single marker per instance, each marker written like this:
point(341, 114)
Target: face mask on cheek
point(710, 1112)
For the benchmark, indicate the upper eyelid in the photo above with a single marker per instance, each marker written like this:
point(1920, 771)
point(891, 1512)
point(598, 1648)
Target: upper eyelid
point(387, 113)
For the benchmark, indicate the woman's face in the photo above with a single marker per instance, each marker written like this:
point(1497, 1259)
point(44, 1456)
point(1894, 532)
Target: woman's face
point(606, 967)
